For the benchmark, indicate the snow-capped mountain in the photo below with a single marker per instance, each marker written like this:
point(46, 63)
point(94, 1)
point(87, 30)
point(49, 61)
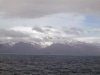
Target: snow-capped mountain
point(54, 49)
point(47, 40)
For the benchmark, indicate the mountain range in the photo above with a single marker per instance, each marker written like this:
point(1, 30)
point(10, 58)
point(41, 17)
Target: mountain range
point(78, 48)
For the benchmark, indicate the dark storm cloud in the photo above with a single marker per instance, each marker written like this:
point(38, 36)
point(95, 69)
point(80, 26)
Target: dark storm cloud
point(37, 8)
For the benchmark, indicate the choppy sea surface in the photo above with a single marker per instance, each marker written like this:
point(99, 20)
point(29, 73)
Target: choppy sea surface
point(11, 64)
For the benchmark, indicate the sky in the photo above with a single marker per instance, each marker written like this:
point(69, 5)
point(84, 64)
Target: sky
point(42, 21)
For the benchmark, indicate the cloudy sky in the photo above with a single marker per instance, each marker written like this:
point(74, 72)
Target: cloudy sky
point(50, 21)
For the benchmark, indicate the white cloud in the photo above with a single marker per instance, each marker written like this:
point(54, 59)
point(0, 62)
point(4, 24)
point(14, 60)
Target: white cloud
point(12, 33)
point(59, 19)
point(47, 35)
point(89, 39)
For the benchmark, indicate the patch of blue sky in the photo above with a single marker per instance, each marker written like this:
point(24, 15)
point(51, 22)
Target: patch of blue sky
point(92, 21)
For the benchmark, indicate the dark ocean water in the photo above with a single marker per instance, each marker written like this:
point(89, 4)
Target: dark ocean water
point(49, 65)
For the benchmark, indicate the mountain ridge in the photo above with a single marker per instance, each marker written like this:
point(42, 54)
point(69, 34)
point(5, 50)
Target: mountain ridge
point(54, 49)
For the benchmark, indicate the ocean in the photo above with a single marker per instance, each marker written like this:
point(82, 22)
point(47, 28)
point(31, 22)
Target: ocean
point(12, 64)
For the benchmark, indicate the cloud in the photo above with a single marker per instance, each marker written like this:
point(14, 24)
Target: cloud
point(82, 31)
point(59, 19)
point(75, 31)
point(12, 33)
point(37, 8)
point(89, 39)
point(42, 31)
point(47, 35)
point(96, 30)
point(43, 35)
point(38, 29)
